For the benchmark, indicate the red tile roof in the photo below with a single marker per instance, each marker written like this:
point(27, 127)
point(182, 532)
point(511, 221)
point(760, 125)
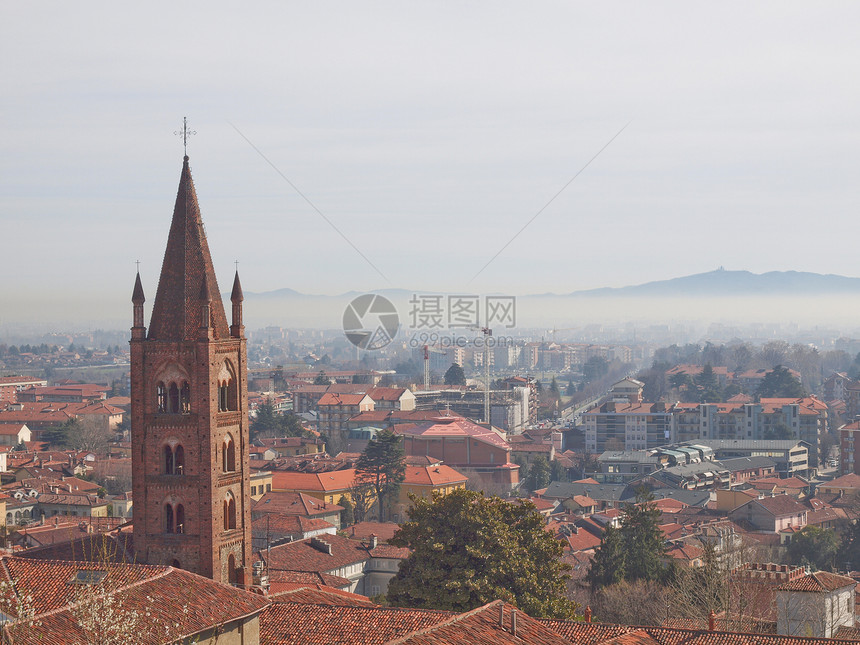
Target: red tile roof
point(298, 624)
point(303, 555)
point(180, 602)
point(440, 475)
point(457, 427)
point(818, 582)
point(292, 503)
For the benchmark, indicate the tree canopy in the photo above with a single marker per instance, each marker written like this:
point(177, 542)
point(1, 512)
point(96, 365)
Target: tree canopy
point(814, 546)
point(468, 549)
point(634, 551)
point(455, 375)
point(382, 466)
point(268, 423)
point(779, 383)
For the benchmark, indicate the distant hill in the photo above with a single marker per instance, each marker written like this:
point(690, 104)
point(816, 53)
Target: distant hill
point(736, 283)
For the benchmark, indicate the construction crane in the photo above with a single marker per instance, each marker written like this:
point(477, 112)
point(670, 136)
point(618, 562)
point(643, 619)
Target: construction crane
point(426, 367)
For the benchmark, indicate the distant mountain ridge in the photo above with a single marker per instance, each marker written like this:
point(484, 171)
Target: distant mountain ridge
point(720, 282)
point(727, 283)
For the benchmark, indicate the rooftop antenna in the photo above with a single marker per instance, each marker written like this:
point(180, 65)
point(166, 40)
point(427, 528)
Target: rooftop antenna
point(185, 133)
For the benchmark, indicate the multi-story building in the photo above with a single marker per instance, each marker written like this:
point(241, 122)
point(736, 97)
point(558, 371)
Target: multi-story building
point(627, 426)
point(638, 426)
point(791, 457)
point(474, 450)
point(849, 448)
point(10, 386)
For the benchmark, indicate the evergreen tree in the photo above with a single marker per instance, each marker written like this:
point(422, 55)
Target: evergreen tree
point(633, 552)
point(538, 475)
point(644, 543)
point(382, 466)
point(265, 423)
point(468, 549)
point(455, 375)
point(710, 385)
point(779, 383)
point(347, 515)
point(557, 472)
point(322, 379)
point(608, 566)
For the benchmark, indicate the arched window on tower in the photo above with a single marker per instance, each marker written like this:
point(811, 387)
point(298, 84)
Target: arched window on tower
point(228, 391)
point(179, 459)
point(229, 512)
point(174, 459)
point(160, 397)
point(185, 398)
point(168, 518)
point(169, 460)
point(179, 512)
point(231, 569)
point(228, 454)
point(173, 399)
point(222, 396)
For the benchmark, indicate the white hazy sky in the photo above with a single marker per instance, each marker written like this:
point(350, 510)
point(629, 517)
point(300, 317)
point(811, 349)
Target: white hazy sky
point(429, 133)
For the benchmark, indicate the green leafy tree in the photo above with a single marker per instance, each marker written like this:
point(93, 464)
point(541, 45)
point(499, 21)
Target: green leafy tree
point(608, 566)
point(595, 368)
point(557, 472)
point(707, 381)
point(779, 383)
point(322, 379)
point(554, 390)
point(849, 547)
point(347, 515)
point(468, 549)
point(778, 431)
point(814, 546)
point(454, 375)
point(265, 424)
point(538, 475)
point(58, 436)
point(382, 465)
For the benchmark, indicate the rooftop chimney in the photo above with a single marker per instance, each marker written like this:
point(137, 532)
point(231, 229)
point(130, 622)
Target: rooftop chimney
point(712, 621)
point(588, 614)
point(373, 541)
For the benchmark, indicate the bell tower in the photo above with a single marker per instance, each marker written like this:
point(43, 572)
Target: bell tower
point(189, 411)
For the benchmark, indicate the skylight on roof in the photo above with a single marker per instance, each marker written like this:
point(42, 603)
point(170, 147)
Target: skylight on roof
point(88, 577)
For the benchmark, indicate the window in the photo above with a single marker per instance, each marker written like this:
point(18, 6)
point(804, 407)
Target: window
point(160, 397)
point(229, 512)
point(231, 569)
point(228, 454)
point(169, 462)
point(185, 398)
point(168, 518)
point(174, 459)
point(179, 513)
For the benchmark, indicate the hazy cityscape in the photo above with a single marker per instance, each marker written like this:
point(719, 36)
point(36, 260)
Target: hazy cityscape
point(430, 323)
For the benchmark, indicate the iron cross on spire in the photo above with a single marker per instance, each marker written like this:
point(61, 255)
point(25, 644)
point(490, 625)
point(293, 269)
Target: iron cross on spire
point(185, 133)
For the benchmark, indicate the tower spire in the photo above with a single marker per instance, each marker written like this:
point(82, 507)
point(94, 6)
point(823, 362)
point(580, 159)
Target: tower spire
point(137, 298)
point(176, 310)
point(237, 329)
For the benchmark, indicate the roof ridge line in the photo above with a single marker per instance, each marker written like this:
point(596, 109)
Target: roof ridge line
point(453, 620)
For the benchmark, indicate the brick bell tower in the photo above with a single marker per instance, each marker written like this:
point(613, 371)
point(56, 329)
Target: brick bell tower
point(189, 411)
